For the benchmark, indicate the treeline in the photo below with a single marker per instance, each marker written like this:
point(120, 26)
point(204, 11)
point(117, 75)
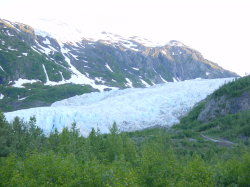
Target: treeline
point(28, 157)
point(234, 88)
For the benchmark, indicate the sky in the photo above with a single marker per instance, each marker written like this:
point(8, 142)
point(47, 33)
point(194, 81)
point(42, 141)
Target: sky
point(219, 29)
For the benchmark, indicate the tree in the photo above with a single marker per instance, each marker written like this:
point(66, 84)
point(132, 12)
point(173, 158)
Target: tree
point(19, 137)
point(5, 131)
point(114, 143)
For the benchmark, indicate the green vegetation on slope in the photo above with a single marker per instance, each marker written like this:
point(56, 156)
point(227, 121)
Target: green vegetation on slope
point(234, 88)
point(235, 127)
point(38, 95)
point(18, 59)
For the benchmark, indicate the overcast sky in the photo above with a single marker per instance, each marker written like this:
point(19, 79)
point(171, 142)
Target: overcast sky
point(219, 29)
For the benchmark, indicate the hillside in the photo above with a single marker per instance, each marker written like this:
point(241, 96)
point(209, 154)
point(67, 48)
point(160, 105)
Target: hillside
point(225, 114)
point(108, 62)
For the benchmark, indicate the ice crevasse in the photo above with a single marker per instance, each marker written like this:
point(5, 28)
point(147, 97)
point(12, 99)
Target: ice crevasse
point(132, 109)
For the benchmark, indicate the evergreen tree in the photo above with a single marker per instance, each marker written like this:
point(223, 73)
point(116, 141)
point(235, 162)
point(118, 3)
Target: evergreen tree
point(5, 136)
point(114, 144)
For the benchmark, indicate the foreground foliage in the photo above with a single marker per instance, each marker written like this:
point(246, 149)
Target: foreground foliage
point(153, 157)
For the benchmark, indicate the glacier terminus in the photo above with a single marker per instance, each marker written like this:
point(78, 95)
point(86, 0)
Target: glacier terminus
point(132, 109)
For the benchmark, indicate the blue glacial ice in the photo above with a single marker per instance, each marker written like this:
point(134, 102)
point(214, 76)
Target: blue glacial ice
point(132, 109)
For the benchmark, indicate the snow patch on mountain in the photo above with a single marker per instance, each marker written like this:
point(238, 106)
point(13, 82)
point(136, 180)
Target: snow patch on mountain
point(41, 33)
point(19, 83)
point(107, 66)
point(137, 69)
point(132, 109)
point(8, 33)
point(34, 49)
point(23, 98)
point(175, 43)
point(47, 42)
point(145, 83)
point(129, 83)
point(46, 74)
point(54, 28)
point(175, 80)
point(1, 96)
point(46, 50)
point(163, 79)
point(2, 68)
point(77, 77)
point(75, 33)
point(11, 49)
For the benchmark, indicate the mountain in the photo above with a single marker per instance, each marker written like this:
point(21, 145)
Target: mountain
point(31, 59)
point(132, 109)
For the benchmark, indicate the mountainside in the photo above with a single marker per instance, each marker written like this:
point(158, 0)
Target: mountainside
point(132, 109)
point(224, 114)
point(230, 99)
point(108, 62)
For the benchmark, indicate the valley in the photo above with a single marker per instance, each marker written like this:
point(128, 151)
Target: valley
point(110, 110)
point(213, 152)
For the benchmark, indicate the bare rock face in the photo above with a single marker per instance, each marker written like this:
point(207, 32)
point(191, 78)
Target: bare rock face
point(223, 105)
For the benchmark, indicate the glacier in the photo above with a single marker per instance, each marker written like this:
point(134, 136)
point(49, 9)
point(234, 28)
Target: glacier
point(132, 109)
